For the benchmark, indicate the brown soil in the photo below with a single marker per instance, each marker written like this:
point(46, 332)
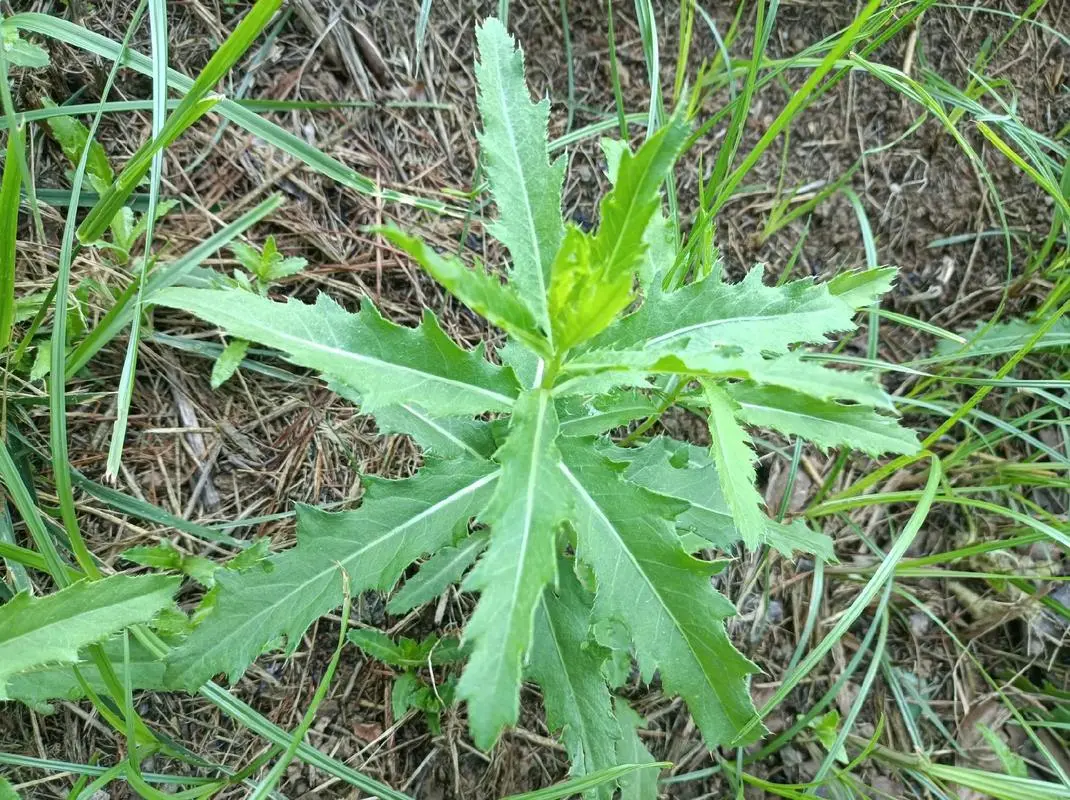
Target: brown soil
point(267, 443)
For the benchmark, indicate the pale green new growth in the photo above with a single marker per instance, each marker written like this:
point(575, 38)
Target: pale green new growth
point(583, 555)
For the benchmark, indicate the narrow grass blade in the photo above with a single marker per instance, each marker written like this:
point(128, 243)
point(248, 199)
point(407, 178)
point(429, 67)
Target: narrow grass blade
point(587, 782)
point(9, 228)
point(194, 105)
point(158, 30)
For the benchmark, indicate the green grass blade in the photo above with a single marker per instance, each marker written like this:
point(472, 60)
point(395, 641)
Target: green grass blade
point(587, 782)
point(9, 229)
point(158, 31)
point(196, 103)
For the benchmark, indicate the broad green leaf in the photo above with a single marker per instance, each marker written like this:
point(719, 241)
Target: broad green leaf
point(641, 785)
point(386, 363)
point(229, 361)
point(165, 556)
point(748, 315)
point(525, 185)
point(527, 509)
point(591, 278)
point(397, 523)
point(38, 687)
point(862, 288)
point(49, 630)
point(826, 424)
point(687, 473)
point(734, 460)
point(71, 135)
point(406, 653)
point(444, 437)
point(436, 574)
point(482, 292)
point(661, 594)
point(567, 664)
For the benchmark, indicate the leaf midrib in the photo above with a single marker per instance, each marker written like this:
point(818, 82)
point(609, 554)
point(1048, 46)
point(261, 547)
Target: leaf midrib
point(319, 576)
point(653, 588)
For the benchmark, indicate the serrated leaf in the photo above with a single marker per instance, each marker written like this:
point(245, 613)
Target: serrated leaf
point(591, 278)
point(485, 294)
point(659, 245)
point(441, 437)
point(50, 630)
point(861, 288)
point(797, 536)
point(72, 135)
point(734, 460)
point(661, 594)
point(38, 687)
point(386, 363)
point(604, 413)
point(397, 523)
point(567, 664)
point(528, 507)
point(228, 361)
point(748, 315)
point(406, 653)
point(687, 473)
point(436, 574)
point(641, 785)
point(826, 424)
point(525, 185)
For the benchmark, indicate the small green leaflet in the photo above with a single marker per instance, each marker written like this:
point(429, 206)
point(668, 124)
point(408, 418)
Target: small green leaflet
point(72, 135)
point(525, 513)
point(824, 423)
point(601, 414)
point(228, 362)
point(397, 523)
point(526, 187)
point(643, 784)
point(748, 314)
point(406, 653)
point(7, 791)
point(734, 460)
point(658, 592)
point(862, 288)
point(483, 293)
point(387, 363)
point(40, 631)
point(568, 667)
point(438, 573)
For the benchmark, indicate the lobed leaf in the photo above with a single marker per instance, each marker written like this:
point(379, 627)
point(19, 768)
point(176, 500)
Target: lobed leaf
point(397, 523)
point(440, 571)
point(525, 513)
point(445, 437)
point(568, 667)
point(485, 294)
point(386, 363)
point(642, 784)
point(748, 315)
point(826, 424)
point(42, 631)
point(525, 185)
point(663, 596)
point(734, 459)
point(862, 288)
